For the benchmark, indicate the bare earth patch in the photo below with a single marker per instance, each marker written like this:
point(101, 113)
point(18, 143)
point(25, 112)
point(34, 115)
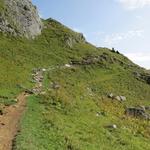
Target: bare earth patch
point(9, 122)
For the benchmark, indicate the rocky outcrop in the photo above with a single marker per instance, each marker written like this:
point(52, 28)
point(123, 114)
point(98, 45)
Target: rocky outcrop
point(77, 38)
point(100, 59)
point(138, 112)
point(142, 76)
point(20, 17)
point(66, 35)
point(90, 60)
point(118, 98)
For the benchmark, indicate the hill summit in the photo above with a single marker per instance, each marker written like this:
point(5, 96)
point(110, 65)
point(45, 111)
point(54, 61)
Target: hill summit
point(19, 17)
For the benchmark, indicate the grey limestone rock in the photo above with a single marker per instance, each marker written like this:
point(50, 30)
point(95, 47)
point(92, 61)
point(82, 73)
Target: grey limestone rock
point(20, 18)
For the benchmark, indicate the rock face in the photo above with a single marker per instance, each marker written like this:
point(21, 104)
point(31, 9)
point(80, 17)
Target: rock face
point(137, 112)
point(99, 59)
point(70, 41)
point(142, 76)
point(20, 17)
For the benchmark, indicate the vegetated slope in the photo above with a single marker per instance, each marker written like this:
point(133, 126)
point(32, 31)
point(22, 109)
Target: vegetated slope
point(74, 110)
point(19, 56)
point(19, 18)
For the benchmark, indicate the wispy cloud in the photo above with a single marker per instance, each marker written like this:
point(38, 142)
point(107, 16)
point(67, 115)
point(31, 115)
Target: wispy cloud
point(134, 4)
point(118, 37)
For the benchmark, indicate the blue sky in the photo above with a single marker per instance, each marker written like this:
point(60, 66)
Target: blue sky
point(123, 24)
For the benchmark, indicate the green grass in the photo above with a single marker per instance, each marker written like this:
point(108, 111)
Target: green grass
point(48, 128)
point(65, 119)
point(1, 5)
point(19, 56)
point(7, 102)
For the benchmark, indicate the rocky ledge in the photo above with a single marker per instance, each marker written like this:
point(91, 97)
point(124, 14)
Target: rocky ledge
point(20, 17)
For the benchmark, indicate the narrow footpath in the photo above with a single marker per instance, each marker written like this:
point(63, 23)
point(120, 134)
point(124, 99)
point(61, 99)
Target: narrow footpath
point(9, 122)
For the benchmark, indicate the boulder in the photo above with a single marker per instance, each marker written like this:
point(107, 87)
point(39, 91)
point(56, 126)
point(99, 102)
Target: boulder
point(147, 108)
point(137, 112)
point(123, 98)
point(142, 107)
point(67, 65)
point(44, 70)
point(113, 126)
point(120, 98)
point(143, 76)
point(111, 95)
point(133, 111)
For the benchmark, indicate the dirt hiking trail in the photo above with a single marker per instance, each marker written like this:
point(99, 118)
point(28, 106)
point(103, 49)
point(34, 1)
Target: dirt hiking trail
point(9, 122)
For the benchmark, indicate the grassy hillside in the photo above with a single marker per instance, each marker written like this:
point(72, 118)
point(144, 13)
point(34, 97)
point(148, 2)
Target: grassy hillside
point(74, 116)
point(67, 118)
point(20, 56)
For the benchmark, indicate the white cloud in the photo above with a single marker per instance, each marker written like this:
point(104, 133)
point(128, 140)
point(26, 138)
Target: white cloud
point(134, 4)
point(115, 38)
point(140, 58)
point(140, 18)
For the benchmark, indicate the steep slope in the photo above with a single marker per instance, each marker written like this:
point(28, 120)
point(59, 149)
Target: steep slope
point(19, 18)
point(75, 109)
